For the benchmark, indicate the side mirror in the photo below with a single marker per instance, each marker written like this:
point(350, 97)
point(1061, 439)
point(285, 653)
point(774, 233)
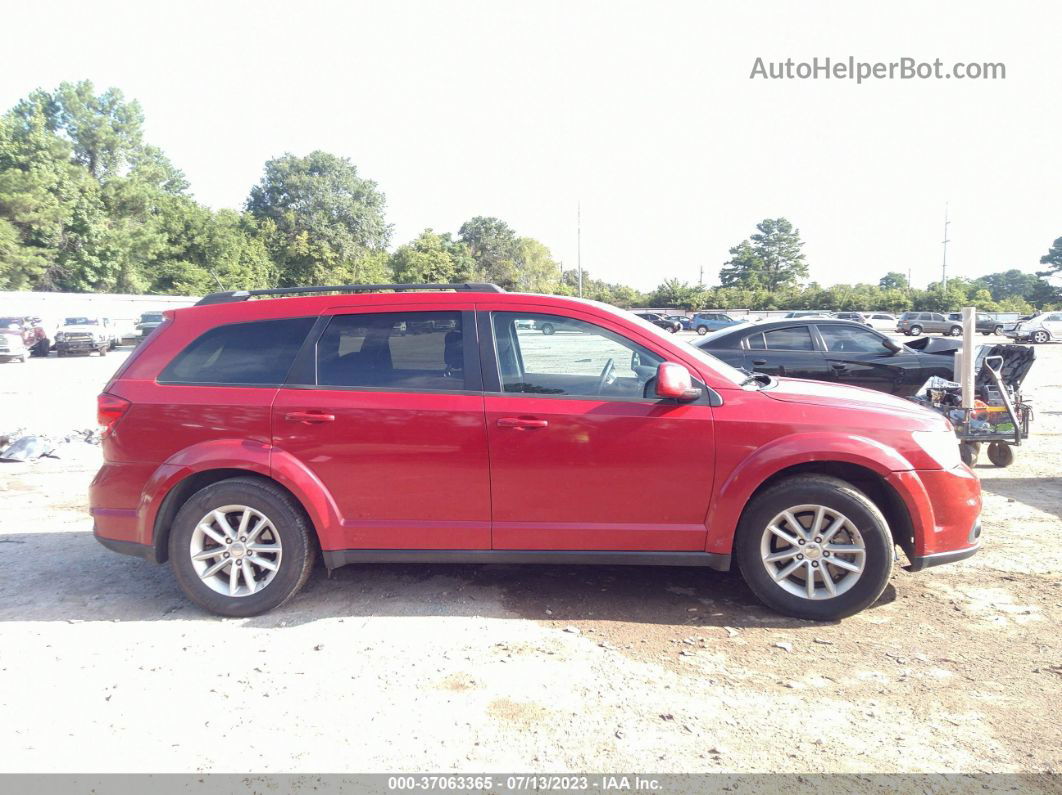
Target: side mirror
point(674, 381)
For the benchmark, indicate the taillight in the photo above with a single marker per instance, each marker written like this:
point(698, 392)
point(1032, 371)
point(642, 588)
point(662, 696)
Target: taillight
point(109, 409)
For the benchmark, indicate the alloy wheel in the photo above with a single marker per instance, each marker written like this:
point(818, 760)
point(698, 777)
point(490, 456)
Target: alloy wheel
point(235, 550)
point(813, 552)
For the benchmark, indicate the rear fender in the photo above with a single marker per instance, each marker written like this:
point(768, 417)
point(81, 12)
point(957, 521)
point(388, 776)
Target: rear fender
point(242, 455)
point(733, 493)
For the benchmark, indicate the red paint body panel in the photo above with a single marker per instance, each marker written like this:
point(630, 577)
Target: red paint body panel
point(406, 471)
point(602, 475)
point(435, 470)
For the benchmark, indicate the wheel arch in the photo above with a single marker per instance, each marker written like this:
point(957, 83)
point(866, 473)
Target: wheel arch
point(183, 489)
point(878, 490)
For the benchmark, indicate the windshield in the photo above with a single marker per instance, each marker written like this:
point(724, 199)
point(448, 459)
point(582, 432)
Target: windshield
point(151, 317)
point(81, 321)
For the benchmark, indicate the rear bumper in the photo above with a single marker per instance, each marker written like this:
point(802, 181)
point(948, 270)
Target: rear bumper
point(145, 551)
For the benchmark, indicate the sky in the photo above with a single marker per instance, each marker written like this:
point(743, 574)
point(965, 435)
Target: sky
point(644, 114)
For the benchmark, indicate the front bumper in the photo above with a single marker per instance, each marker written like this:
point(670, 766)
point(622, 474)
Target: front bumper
point(944, 506)
point(77, 346)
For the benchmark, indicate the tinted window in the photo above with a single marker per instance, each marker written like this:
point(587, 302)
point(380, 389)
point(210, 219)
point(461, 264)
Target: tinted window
point(578, 358)
point(756, 342)
point(393, 350)
point(846, 339)
point(789, 339)
point(255, 354)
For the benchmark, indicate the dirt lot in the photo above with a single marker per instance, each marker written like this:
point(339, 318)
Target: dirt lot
point(104, 666)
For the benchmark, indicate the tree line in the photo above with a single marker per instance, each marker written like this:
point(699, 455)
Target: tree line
point(88, 205)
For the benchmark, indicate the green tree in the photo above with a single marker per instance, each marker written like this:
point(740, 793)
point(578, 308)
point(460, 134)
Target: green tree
point(893, 280)
point(536, 270)
point(770, 259)
point(328, 223)
point(433, 258)
point(677, 294)
point(494, 246)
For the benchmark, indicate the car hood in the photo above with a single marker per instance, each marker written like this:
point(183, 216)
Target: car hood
point(820, 393)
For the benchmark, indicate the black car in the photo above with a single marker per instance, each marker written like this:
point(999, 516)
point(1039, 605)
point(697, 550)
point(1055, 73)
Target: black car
point(659, 320)
point(824, 349)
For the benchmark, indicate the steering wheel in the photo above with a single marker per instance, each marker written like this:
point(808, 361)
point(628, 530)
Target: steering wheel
point(608, 375)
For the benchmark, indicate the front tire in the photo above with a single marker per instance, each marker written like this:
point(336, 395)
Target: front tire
point(547, 329)
point(955, 331)
point(814, 547)
point(241, 547)
point(915, 331)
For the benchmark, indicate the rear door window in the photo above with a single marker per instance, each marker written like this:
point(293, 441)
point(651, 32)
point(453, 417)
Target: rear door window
point(797, 338)
point(258, 353)
point(400, 351)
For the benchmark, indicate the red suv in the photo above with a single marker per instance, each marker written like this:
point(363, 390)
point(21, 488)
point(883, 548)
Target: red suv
point(245, 435)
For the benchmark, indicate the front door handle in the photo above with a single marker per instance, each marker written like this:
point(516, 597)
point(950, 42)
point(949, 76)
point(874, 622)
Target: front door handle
point(522, 423)
point(309, 416)
point(838, 366)
point(759, 362)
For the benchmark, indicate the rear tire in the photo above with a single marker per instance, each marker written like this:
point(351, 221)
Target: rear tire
point(803, 497)
point(968, 452)
point(547, 329)
point(702, 330)
point(955, 331)
point(1040, 337)
point(998, 330)
point(915, 331)
point(288, 529)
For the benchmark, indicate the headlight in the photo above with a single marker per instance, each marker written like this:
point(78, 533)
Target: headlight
point(941, 446)
point(60, 336)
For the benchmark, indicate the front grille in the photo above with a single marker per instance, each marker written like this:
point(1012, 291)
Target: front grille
point(78, 335)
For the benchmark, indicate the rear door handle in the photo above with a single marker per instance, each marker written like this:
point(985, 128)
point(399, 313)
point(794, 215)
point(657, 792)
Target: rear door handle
point(522, 423)
point(309, 416)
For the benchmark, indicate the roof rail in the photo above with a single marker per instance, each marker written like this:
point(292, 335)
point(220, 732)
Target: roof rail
point(231, 296)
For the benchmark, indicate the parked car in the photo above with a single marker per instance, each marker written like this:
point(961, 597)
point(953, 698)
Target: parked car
point(914, 323)
point(246, 435)
point(808, 313)
point(1045, 327)
point(660, 321)
point(858, 317)
point(13, 341)
point(703, 322)
point(682, 320)
point(881, 321)
point(84, 334)
point(983, 323)
point(21, 327)
point(825, 349)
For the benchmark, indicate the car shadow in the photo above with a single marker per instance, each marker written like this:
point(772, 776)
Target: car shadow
point(68, 576)
point(1043, 494)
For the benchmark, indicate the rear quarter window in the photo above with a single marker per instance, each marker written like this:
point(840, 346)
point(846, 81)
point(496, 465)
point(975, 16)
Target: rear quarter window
point(258, 353)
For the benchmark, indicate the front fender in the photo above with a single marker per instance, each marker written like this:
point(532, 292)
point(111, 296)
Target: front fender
point(733, 492)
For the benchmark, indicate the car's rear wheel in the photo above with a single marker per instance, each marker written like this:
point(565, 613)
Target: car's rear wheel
point(240, 547)
point(547, 329)
point(915, 331)
point(702, 330)
point(814, 547)
point(1040, 337)
point(955, 331)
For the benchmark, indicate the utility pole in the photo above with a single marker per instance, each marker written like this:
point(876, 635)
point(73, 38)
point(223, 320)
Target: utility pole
point(944, 265)
point(700, 279)
point(579, 244)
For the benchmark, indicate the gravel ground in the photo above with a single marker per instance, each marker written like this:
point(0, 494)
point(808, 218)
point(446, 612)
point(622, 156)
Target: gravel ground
point(104, 666)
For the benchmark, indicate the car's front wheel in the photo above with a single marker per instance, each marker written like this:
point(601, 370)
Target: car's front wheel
point(814, 547)
point(915, 331)
point(955, 331)
point(240, 547)
point(547, 329)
